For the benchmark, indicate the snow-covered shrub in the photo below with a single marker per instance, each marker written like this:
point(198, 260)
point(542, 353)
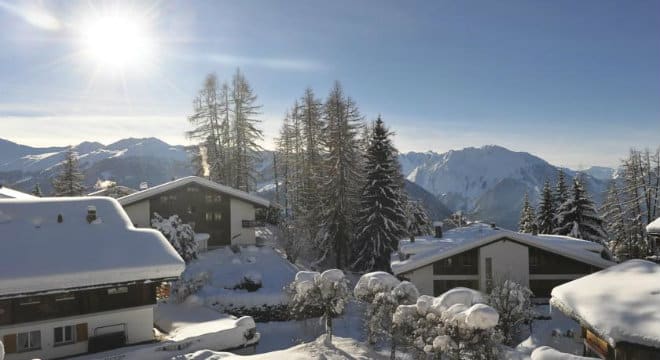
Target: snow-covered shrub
point(513, 302)
point(367, 288)
point(185, 287)
point(179, 234)
point(384, 305)
point(251, 282)
point(456, 325)
point(312, 292)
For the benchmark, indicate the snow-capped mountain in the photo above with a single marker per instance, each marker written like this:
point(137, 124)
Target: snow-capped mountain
point(127, 161)
point(487, 182)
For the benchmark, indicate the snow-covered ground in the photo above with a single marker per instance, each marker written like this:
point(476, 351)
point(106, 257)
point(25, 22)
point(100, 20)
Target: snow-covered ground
point(225, 270)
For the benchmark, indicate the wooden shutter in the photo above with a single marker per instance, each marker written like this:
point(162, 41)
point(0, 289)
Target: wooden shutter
point(81, 332)
point(9, 341)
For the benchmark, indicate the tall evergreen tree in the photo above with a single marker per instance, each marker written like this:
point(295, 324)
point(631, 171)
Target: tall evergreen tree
point(577, 216)
point(419, 222)
point(561, 190)
point(546, 214)
point(70, 180)
point(615, 218)
point(527, 222)
point(382, 217)
point(37, 190)
point(208, 112)
point(341, 183)
point(246, 133)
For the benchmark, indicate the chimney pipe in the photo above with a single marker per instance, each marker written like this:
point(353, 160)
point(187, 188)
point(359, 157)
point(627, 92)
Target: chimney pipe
point(91, 213)
point(437, 225)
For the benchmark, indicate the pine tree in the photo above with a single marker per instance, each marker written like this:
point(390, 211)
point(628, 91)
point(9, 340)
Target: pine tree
point(311, 111)
point(527, 222)
point(546, 214)
point(70, 180)
point(419, 222)
point(341, 177)
point(382, 218)
point(206, 119)
point(37, 190)
point(577, 216)
point(561, 190)
point(246, 134)
point(615, 217)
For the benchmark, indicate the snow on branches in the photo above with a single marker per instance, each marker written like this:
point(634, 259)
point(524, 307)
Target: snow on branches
point(324, 293)
point(457, 324)
point(513, 302)
point(179, 234)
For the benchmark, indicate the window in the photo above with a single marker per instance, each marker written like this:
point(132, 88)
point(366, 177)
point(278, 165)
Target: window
point(28, 341)
point(213, 216)
point(63, 335)
point(192, 189)
point(163, 199)
point(213, 198)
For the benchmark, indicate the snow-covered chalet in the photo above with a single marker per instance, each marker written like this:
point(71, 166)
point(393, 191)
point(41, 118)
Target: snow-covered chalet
point(479, 256)
point(226, 214)
point(618, 309)
point(653, 229)
point(77, 277)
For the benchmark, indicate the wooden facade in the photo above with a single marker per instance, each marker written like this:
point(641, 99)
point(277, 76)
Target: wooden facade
point(595, 346)
point(45, 307)
point(463, 267)
point(204, 208)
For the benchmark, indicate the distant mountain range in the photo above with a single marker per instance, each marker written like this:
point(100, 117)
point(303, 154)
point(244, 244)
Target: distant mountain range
point(487, 183)
point(128, 162)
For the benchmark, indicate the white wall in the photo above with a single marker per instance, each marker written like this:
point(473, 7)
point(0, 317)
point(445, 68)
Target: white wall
point(510, 261)
point(240, 210)
point(139, 328)
point(422, 278)
point(139, 213)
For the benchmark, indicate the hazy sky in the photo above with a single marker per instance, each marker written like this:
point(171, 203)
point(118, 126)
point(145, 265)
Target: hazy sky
point(575, 82)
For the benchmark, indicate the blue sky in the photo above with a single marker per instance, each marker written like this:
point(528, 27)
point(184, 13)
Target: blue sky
point(575, 82)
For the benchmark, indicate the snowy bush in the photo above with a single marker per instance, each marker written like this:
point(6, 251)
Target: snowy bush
point(513, 302)
point(185, 287)
point(312, 292)
point(455, 325)
point(251, 282)
point(179, 234)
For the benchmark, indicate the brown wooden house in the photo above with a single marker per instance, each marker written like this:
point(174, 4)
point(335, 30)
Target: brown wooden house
point(226, 214)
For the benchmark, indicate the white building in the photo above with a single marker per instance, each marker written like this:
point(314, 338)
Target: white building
point(226, 214)
point(76, 276)
point(618, 309)
point(480, 255)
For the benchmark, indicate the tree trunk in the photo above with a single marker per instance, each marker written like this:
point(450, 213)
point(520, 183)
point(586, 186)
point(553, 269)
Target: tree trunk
point(328, 330)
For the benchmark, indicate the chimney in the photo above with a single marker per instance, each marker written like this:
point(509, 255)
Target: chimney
point(437, 225)
point(91, 213)
point(144, 185)
point(493, 225)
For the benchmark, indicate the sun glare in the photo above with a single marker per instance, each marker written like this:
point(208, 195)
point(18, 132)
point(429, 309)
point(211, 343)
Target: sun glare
point(117, 42)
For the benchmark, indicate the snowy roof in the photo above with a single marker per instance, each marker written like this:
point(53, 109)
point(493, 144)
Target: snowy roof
point(7, 193)
point(144, 194)
point(426, 250)
point(654, 227)
point(39, 254)
point(620, 303)
point(116, 188)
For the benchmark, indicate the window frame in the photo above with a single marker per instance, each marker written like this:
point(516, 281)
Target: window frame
point(30, 336)
point(64, 340)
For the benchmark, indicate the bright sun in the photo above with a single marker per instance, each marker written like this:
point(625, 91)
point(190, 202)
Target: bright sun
point(117, 41)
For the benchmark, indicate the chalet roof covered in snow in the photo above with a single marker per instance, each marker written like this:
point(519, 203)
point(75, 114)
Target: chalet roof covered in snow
point(620, 303)
point(7, 193)
point(426, 250)
point(654, 227)
point(38, 253)
point(145, 194)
